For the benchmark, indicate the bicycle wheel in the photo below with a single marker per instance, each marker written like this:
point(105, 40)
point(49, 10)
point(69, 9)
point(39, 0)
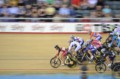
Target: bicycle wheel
point(55, 62)
point(70, 62)
point(100, 67)
point(116, 70)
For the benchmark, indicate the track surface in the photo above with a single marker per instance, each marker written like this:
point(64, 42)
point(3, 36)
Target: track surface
point(30, 53)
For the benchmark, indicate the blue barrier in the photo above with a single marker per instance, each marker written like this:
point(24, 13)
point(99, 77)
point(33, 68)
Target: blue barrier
point(54, 76)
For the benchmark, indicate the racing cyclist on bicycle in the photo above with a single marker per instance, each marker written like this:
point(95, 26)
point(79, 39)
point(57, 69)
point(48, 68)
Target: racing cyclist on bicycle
point(96, 35)
point(63, 52)
point(78, 39)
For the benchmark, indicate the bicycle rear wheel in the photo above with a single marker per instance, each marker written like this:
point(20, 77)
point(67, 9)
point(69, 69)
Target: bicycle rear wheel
point(70, 61)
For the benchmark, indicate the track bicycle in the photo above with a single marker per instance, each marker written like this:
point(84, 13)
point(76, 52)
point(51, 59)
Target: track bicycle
point(55, 62)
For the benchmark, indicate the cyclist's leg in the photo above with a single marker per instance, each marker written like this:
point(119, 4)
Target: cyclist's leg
point(91, 52)
point(63, 56)
point(77, 49)
point(108, 61)
point(114, 38)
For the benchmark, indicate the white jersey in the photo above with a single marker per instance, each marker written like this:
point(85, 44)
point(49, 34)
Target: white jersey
point(78, 39)
point(118, 38)
point(78, 46)
point(116, 31)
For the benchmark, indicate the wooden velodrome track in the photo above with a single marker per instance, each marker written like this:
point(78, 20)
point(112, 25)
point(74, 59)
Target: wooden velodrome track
point(31, 53)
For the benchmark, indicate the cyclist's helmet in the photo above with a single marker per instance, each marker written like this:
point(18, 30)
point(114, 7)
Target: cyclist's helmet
point(57, 47)
point(72, 36)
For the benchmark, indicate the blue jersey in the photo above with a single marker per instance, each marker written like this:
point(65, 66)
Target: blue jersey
point(90, 47)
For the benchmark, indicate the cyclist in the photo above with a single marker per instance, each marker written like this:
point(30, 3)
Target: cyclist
point(78, 39)
point(74, 47)
point(88, 47)
point(115, 36)
point(118, 42)
point(96, 35)
point(117, 47)
point(97, 44)
point(108, 54)
point(63, 51)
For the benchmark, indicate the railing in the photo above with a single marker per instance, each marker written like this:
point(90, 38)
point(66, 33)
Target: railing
point(58, 19)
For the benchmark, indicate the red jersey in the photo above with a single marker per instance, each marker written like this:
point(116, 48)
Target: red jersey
point(96, 43)
point(63, 51)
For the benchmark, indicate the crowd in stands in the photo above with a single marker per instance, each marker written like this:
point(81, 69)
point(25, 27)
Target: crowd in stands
point(57, 9)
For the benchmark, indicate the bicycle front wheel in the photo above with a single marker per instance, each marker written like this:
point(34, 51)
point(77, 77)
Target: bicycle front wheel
point(55, 62)
point(100, 67)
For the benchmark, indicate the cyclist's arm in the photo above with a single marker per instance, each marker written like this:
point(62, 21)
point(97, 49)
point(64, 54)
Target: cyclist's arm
point(57, 53)
point(71, 44)
point(91, 35)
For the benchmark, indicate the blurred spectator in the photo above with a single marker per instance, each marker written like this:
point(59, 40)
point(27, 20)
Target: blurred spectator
point(107, 10)
point(42, 12)
point(41, 1)
point(21, 1)
point(57, 9)
point(76, 4)
point(2, 2)
point(13, 10)
point(107, 18)
point(72, 11)
point(98, 8)
point(29, 2)
point(50, 1)
point(4, 9)
point(67, 2)
point(57, 5)
point(28, 7)
point(34, 10)
point(99, 14)
point(28, 10)
point(64, 11)
point(50, 11)
point(100, 3)
point(84, 4)
point(92, 3)
point(13, 2)
point(22, 9)
point(0, 10)
point(93, 14)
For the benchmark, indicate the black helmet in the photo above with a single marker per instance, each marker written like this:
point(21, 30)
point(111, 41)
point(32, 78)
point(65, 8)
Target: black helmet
point(57, 47)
